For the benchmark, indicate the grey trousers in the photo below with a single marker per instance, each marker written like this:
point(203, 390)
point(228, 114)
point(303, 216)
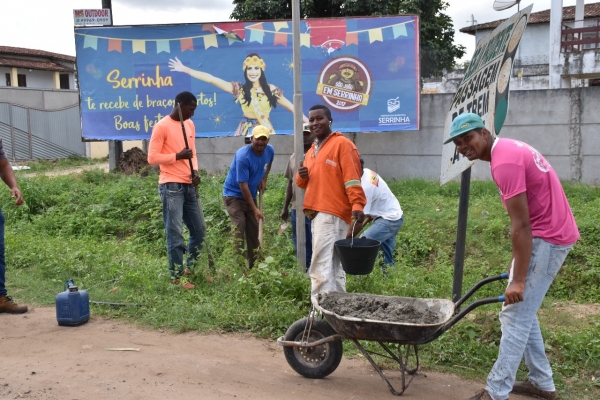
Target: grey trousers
point(244, 227)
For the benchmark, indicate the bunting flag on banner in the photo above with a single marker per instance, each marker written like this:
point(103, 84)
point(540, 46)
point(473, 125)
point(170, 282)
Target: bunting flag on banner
point(256, 35)
point(351, 38)
point(138, 46)
point(210, 41)
point(399, 30)
point(280, 25)
point(280, 38)
point(321, 32)
point(305, 39)
point(90, 42)
point(114, 45)
point(208, 27)
point(186, 44)
point(163, 45)
point(375, 35)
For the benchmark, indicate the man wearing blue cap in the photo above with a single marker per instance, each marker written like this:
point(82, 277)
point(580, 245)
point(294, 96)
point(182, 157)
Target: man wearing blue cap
point(543, 231)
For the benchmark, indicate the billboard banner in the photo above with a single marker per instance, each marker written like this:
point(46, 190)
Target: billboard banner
point(366, 70)
point(484, 89)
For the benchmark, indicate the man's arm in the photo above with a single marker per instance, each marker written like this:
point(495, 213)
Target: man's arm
point(8, 176)
point(248, 197)
point(351, 171)
point(155, 147)
point(263, 183)
point(285, 211)
point(521, 237)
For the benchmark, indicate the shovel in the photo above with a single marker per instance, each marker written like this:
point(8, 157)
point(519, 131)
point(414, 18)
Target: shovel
point(260, 221)
point(211, 261)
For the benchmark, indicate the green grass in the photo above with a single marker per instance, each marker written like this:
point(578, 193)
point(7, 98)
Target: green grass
point(105, 231)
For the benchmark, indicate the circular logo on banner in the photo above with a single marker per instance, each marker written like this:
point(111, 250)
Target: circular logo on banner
point(345, 83)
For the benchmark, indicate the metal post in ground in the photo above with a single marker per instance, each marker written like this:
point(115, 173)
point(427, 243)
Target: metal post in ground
point(461, 233)
point(115, 147)
point(298, 138)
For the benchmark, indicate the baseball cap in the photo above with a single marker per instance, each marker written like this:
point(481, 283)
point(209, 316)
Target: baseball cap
point(305, 128)
point(260, 130)
point(464, 123)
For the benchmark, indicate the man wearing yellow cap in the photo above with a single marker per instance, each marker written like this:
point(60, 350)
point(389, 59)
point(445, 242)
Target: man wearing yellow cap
point(248, 174)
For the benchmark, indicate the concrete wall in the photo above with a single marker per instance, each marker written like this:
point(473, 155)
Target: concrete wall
point(562, 124)
point(42, 99)
point(583, 64)
point(100, 149)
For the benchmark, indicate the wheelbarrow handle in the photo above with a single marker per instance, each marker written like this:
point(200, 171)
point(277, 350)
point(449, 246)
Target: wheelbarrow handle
point(470, 307)
point(478, 285)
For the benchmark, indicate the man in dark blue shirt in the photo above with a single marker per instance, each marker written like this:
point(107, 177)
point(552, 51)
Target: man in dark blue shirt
point(248, 173)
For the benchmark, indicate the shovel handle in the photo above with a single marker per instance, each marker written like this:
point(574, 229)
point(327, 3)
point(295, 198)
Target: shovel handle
point(185, 138)
point(260, 221)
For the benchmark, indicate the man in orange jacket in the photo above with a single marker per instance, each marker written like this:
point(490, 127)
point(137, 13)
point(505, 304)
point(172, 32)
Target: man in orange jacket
point(331, 174)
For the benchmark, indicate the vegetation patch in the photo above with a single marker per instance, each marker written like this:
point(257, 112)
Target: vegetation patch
point(105, 231)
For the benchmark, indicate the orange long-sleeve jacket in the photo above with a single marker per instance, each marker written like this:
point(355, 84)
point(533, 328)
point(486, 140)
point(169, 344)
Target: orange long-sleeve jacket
point(166, 141)
point(333, 183)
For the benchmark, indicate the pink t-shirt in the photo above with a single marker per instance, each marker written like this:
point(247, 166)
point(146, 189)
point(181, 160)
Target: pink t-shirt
point(516, 168)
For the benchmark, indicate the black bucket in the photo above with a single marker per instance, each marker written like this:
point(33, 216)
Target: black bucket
point(357, 255)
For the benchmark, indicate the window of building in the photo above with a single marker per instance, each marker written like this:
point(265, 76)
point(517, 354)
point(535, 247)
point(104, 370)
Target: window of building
point(7, 79)
point(21, 80)
point(64, 81)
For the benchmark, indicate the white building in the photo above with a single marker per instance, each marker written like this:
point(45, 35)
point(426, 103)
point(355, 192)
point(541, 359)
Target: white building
point(36, 69)
point(577, 51)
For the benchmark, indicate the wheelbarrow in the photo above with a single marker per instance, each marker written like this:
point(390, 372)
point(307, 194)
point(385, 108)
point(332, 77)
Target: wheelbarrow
point(313, 346)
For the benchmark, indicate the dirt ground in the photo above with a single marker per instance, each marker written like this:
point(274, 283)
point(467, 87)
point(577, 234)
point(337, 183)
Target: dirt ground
point(76, 170)
point(41, 360)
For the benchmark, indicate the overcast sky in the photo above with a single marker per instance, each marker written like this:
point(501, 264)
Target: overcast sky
point(48, 24)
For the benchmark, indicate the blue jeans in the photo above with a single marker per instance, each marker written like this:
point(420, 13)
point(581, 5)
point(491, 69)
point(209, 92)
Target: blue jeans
point(521, 335)
point(179, 204)
point(385, 231)
point(2, 261)
point(308, 233)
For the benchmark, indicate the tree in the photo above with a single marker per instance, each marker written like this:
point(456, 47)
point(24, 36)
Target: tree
point(437, 51)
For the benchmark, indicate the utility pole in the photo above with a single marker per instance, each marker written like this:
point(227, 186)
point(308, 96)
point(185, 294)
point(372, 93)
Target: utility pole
point(298, 135)
point(115, 147)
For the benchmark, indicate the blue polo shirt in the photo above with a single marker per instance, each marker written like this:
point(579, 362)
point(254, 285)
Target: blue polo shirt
point(247, 167)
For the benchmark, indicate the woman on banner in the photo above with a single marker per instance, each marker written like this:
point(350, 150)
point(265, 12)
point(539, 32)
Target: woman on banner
point(256, 96)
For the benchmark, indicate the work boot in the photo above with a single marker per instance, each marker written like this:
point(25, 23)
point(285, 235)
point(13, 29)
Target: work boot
point(481, 395)
point(7, 305)
point(527, 388)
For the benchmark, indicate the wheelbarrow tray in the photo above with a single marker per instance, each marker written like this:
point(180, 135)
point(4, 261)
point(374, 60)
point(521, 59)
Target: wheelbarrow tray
point(390, 331)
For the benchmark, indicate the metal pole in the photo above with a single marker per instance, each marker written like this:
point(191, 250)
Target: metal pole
point(12, 132)
point(115, 147)
point(461, 234)
point(298, 141)
point(29, 136)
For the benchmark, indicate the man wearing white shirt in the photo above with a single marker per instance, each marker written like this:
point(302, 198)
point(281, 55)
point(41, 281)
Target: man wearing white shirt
point(384, 210)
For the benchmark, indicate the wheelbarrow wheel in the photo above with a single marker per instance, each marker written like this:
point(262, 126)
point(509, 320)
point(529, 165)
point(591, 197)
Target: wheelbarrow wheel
point(313, 362)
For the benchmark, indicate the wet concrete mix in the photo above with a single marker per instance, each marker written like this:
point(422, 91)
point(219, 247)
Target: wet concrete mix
point(379, 308)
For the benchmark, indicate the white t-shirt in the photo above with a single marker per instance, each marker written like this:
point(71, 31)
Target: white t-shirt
point(381, 202)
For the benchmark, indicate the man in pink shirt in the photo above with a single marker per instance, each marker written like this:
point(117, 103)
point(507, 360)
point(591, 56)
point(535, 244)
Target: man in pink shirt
point(177, 185)
point(543, 231)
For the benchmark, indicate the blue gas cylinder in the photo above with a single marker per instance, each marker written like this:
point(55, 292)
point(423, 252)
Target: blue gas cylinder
point(72, 306)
